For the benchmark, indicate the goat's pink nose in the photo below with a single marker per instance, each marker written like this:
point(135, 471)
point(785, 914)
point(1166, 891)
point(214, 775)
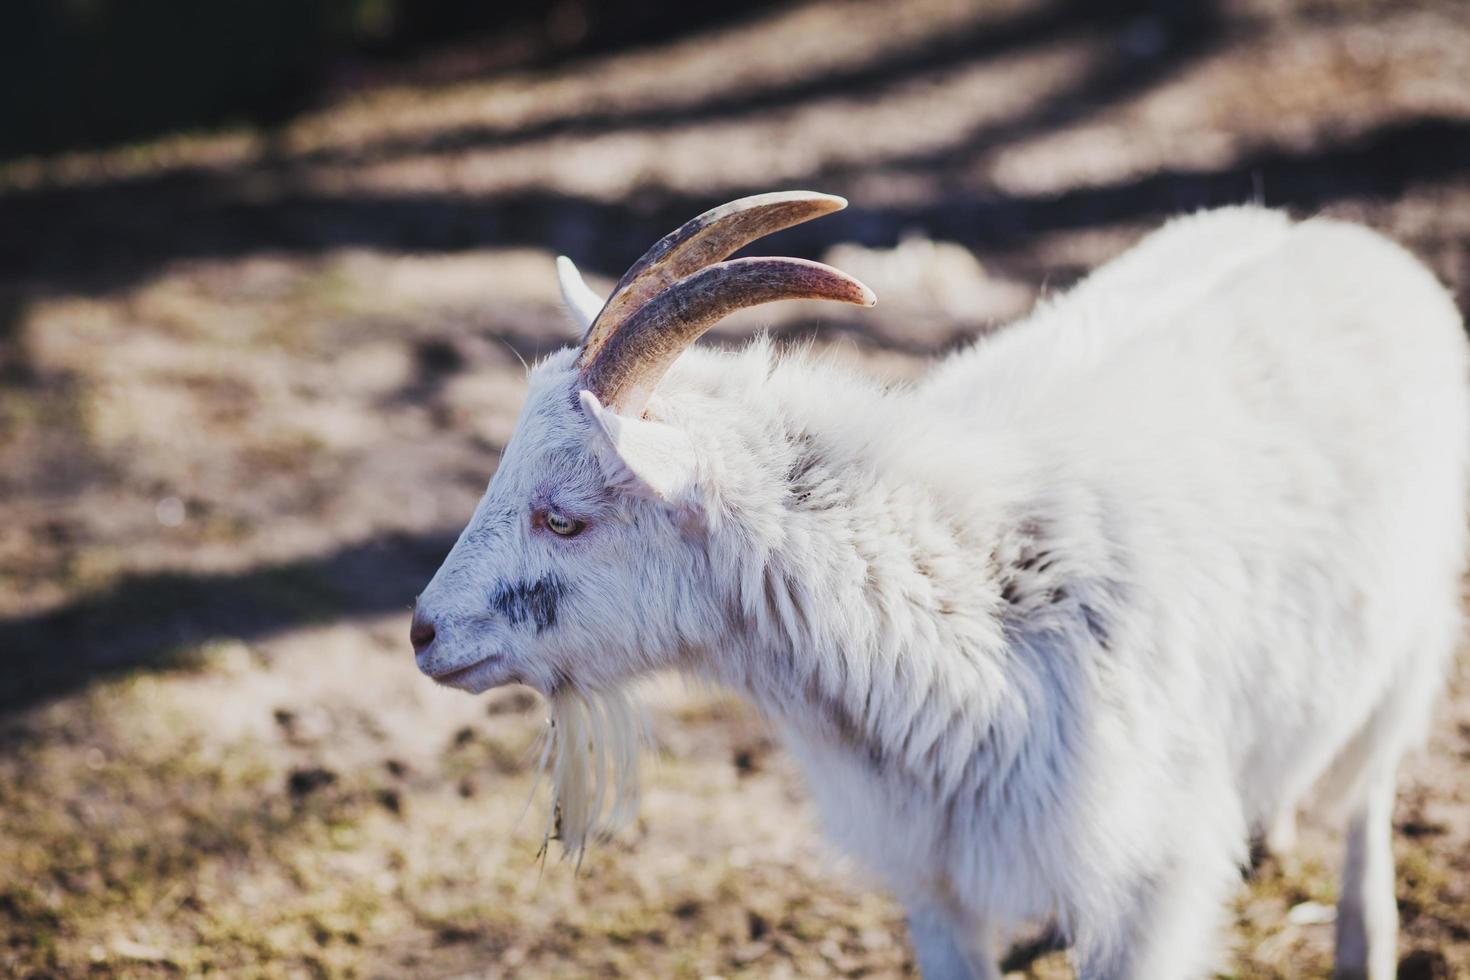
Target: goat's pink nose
point(421, 633)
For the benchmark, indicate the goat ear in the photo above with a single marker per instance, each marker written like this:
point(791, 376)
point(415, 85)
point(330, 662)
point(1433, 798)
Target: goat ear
point(651, 459)
point(581, 301)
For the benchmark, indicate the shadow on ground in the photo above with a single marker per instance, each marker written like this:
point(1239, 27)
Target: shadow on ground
point(148, 620)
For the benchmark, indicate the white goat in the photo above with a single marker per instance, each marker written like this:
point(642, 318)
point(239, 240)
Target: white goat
point(1052, 631)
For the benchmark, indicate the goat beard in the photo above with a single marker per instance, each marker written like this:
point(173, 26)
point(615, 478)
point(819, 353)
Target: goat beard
point(592, 741)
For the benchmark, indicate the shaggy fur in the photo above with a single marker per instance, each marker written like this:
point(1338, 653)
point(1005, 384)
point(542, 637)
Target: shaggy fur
point(1055, 630)
point(593, 741)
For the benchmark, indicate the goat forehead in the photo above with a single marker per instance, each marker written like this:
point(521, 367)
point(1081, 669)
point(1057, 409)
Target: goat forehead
point(549, 423)
point(552, 474)
point(546, 463)
point(540, 447)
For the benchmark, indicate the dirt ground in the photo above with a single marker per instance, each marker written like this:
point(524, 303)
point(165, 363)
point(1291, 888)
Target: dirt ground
point(251, 385)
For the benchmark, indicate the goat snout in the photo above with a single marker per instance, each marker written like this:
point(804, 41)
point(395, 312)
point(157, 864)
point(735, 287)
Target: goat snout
point(421, 633)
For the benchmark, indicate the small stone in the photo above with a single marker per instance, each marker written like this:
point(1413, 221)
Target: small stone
point(1311, 914)
point(141, 952)
point(304, 781)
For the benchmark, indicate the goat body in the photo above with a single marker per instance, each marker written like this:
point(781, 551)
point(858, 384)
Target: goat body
point(1056, 629)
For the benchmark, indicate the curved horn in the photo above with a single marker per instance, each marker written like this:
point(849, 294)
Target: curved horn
point(631, 361)
point(698, 243)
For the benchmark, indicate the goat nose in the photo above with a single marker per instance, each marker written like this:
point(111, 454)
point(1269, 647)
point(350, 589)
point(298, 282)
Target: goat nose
point(421, 633)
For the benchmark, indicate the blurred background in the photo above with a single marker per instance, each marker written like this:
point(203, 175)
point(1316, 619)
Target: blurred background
point(268, 272)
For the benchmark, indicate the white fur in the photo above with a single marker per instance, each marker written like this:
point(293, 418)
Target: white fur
point(594, 740)
point(1056, 629)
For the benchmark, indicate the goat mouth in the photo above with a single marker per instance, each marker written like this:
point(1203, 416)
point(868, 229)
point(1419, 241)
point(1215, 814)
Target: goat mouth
point(456, 676)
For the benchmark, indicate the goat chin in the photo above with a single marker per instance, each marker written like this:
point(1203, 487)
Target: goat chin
point(591, 742)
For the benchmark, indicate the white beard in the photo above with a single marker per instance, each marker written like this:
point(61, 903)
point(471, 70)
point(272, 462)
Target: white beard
point(592, 740)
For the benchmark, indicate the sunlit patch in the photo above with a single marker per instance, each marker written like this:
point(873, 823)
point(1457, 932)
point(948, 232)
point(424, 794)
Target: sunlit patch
point(592, 741)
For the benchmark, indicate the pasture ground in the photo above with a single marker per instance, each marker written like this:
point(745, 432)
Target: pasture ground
point(251, 385)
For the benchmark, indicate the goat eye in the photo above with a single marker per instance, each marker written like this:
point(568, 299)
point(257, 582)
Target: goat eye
point(562, 525)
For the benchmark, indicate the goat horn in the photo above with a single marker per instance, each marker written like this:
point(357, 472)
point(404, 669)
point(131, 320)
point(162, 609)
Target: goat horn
point(698, 243)
point(634, 358)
